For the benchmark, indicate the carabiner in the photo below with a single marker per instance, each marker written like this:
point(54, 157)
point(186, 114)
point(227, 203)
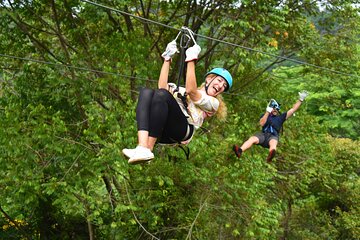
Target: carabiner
point(190, 33)
point(185, 32)
point(184, 40)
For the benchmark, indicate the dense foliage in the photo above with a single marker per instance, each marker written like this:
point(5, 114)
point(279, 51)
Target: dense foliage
point(69, 79)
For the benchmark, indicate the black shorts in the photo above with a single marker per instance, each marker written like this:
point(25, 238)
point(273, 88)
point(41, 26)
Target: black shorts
point(264, 138)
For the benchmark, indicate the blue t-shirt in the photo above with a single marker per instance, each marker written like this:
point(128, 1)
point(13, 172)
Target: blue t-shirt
point(274, 123)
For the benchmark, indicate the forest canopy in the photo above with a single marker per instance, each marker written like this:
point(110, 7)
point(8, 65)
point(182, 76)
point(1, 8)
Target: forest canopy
point(70, 74)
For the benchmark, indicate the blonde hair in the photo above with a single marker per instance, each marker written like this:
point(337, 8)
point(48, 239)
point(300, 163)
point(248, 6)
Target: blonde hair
point(221, 113)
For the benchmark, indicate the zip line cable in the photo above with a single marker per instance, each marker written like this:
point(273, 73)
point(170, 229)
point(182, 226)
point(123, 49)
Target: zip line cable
point(93, 70)
point(104, 72)
point(112, 73)
point(116, 74)
point(74, 67)
point(140, 78)
point(222, 41)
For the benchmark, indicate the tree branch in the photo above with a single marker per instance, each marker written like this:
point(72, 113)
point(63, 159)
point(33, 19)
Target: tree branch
point(196, 217)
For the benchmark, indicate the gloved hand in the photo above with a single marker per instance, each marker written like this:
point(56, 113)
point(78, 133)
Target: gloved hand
point(171, 49)
point(303, 95)
point(192, 53)
point(269, 109)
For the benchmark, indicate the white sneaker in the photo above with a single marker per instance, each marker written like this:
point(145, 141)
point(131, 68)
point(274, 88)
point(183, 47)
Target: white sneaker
point(142, 154)
point(129, 152)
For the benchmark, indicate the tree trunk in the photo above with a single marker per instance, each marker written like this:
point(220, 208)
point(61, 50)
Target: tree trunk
point(286, 220)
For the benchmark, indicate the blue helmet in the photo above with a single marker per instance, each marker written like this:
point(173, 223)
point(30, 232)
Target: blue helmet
point(274, 104)
point(222, 72)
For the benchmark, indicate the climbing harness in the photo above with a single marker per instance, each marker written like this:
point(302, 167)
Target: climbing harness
point(269, 129)
point(186, 151)
point(185, 39)
point(186, 36)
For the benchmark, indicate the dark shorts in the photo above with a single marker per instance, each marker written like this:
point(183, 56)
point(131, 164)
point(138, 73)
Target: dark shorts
point(264, 138)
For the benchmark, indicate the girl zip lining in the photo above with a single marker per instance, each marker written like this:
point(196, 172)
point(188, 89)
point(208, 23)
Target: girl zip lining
point(171, 114)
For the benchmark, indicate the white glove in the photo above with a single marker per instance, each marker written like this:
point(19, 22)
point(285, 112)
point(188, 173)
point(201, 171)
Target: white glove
point(192, 53)
point(269, 109)
point(303, 95)
point(171, 49)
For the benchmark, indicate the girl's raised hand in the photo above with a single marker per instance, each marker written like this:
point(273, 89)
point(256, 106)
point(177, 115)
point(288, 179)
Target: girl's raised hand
point(170, 51)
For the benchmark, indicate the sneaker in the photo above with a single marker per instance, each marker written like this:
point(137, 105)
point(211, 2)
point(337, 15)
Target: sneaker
point(237, 150)
point(271, 155)
point(142, 154)
point(128, 152)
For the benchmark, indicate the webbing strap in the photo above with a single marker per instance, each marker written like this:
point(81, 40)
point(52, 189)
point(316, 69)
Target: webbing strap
point(269, 129)
point(184, 44)
point(186, 151)
point(186, 37)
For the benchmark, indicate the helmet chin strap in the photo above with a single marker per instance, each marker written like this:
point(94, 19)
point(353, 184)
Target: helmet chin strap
point(207, 86)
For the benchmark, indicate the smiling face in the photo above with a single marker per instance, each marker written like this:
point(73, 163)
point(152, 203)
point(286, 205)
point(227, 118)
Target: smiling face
point(215, 84)
point(274, 112)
